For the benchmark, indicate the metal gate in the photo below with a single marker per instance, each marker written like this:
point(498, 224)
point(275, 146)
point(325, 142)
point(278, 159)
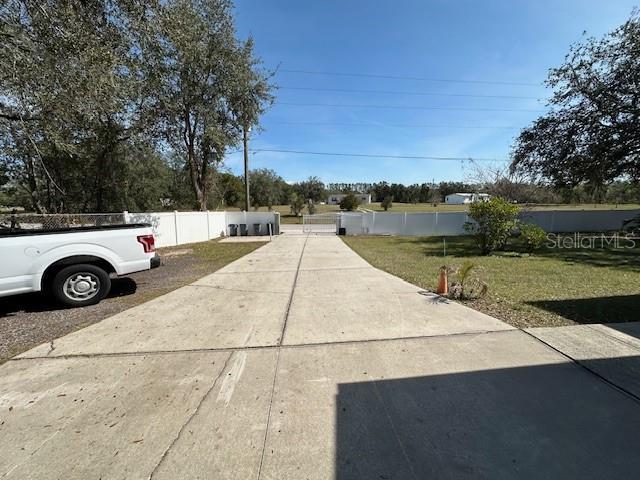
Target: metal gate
point(320, 223)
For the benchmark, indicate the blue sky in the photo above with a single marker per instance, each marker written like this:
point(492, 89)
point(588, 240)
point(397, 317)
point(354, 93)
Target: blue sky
point(513, 41)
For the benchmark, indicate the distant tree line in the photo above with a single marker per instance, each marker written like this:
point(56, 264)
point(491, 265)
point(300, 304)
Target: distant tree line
point(377, 190)
point(267, 189)
point(416, 193)
point(497, 183)
point(169, 188)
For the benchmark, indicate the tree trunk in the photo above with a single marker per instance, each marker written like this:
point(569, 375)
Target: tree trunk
point(197, 170)
point(196, 174)
point(204, 174)
point(202, 199)
point(99, 181)
point(32, 188)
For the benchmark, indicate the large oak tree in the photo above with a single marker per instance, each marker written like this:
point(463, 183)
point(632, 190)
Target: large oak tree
point(591, 135)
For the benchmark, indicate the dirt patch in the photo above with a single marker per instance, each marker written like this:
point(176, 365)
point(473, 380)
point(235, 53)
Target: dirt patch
point(32, 319)
point(514, 314)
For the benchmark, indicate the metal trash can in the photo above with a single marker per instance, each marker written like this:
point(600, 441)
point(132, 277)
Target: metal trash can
point(244, 231)
point(257, 229)
point(271, 228)
point(233, 230)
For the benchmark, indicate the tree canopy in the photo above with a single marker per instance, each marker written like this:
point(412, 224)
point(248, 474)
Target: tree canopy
point(268, 188)
point(100, 99)
point(590, 135)
point(311, 189)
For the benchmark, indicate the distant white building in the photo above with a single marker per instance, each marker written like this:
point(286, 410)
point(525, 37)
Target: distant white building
point(336, 198)
point(464, 198)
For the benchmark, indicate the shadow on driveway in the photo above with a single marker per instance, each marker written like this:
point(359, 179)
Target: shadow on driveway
point(39, 302)
point(34, 318)
point(550, 421)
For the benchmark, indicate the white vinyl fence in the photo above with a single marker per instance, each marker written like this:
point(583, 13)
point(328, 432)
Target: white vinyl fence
point(452, 223)
point(177, 228)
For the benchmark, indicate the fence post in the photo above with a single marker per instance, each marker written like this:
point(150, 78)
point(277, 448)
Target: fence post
point(208, 227)
point(404, 223)
point(175, 223)
point(125, 216)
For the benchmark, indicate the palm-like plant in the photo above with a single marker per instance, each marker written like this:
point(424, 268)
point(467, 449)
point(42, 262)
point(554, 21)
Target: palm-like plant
point(468, 284)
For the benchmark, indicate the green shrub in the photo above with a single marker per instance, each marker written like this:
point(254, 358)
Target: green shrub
point(493, 222)
point(532, 235)
point(350, 202)
point(387, 203)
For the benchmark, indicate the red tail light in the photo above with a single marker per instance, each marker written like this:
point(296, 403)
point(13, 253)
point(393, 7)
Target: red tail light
point(148, 243)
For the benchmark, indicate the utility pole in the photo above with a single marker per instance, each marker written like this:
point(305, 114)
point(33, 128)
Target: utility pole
point(245, 141)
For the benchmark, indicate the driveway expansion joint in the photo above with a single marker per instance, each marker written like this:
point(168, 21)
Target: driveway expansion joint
point(258, 347)
point(293, 289)
point(277, 365)
point(190, 417)
point(582, 365)
point(394, 429)
point(240, 290)
point(614, 338)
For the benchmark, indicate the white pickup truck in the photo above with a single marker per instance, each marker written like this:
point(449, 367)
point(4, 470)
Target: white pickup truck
point(74, 265)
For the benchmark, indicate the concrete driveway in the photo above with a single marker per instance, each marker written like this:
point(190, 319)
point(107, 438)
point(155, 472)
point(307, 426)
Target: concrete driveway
point(301, 361)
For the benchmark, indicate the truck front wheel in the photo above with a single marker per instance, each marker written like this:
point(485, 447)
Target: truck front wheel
point(80, 285)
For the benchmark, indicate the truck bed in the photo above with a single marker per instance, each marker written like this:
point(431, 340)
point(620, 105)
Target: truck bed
point(17, 232)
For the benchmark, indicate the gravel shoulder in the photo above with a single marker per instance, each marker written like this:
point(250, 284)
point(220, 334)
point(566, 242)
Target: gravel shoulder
point(32, 319)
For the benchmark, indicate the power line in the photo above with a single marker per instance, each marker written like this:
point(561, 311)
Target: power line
point(387, 125)
point(370, 155)
point(407, 107)
point(399, 77)
point(394, 92)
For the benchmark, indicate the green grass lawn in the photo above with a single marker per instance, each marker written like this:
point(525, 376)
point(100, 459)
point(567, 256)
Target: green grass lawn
point(549, 288)
point(217, 254)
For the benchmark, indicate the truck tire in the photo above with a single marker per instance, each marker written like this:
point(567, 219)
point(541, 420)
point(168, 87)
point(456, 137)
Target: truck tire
point(80, 285)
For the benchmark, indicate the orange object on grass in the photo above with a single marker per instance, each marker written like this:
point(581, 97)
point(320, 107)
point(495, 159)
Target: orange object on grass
point(443, 282)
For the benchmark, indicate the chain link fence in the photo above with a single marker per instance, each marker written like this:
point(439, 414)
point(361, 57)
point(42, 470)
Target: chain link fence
point(56, 221)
